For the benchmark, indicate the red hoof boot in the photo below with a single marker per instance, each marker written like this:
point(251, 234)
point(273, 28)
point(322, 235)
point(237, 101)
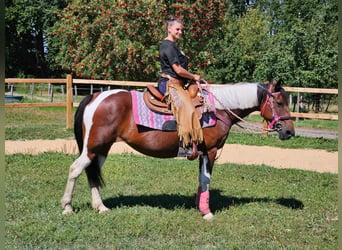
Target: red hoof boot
point(194, 153)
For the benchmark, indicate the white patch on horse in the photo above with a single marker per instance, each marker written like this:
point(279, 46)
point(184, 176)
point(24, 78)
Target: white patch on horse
point(89, 113)
point(204, 176)
point(236, 96)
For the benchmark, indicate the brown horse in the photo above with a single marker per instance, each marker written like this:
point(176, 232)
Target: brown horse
point(107, 117)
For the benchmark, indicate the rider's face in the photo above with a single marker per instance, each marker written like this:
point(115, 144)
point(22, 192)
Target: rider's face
point(175, 31)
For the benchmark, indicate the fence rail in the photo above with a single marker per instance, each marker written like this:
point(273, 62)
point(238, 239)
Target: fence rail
point(311, 90)
point(69, 104)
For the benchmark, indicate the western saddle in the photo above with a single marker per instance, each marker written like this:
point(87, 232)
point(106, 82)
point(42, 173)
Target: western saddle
point(157, 102)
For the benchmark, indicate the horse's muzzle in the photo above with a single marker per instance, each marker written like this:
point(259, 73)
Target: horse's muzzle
point(284, 133)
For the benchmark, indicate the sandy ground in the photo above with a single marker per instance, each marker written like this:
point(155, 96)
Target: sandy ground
point(306, 159)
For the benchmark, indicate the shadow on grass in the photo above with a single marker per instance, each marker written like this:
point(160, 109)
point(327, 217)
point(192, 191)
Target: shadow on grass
point(218, 202)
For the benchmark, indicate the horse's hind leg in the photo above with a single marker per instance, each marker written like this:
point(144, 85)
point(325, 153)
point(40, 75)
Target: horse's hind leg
point(75, 171)
point(93, 172)
point(95, 181)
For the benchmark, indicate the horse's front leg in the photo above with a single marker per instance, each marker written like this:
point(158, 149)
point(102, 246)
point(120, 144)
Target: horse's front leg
point(203, 194)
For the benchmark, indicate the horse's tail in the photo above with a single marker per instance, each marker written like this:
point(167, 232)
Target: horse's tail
point(78, 119)
point(93, 171)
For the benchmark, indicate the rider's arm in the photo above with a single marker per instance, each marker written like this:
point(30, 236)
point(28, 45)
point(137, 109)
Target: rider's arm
point(184, 73)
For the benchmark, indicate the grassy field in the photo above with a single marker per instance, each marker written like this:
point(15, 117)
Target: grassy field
point(152, 202)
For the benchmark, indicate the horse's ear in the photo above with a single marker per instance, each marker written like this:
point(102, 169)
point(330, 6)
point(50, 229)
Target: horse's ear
point(277, 85)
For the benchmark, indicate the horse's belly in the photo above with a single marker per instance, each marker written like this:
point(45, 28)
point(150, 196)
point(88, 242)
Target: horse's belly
point(156, 144)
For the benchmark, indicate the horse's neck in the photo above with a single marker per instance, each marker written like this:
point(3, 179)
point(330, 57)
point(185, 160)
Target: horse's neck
point(242, 96)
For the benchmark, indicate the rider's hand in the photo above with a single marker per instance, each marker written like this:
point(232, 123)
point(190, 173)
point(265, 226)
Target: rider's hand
point(197, 78)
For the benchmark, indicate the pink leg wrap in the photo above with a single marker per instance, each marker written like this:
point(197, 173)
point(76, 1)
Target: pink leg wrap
point(202, 201)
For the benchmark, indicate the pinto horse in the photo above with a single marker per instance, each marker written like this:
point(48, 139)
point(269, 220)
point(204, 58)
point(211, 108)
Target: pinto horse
point(107, 117)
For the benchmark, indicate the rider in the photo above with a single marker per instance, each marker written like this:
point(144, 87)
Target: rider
point(173, 80)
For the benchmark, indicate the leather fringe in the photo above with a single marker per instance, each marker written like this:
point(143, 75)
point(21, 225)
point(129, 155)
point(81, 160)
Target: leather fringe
point(188, 125)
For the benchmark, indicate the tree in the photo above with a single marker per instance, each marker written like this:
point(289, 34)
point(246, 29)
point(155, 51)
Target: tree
point(303, 43)
point(120, 39)
point(292, 40)
point(26, 23)
point(242, 44)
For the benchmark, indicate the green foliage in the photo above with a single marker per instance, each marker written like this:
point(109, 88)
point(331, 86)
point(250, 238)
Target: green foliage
point(26, 24)
point(240, 49)
point(152, 202)
point(302, 44)
point(292, 40)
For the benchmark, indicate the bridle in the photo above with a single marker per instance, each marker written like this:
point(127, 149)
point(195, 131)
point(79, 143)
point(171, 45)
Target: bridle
point(274, 124)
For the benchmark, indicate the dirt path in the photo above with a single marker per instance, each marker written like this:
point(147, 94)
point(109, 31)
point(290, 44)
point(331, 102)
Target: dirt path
point(306, 159)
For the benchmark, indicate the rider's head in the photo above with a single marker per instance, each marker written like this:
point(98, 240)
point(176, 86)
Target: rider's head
point(174, 28)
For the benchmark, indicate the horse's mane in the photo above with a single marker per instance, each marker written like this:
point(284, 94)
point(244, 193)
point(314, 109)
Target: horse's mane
point(242, 95)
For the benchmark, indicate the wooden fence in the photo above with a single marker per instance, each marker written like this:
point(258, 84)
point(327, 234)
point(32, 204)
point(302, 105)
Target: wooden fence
point(299, 91)
point(69, 82)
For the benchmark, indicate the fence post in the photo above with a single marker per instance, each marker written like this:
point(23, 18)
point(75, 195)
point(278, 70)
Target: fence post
point(69, 103)
point(75, 88)
point(31, 90)
point(62, 89)
point(298, 101)
point(51, 92)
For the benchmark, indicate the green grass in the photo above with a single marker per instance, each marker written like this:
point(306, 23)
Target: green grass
point(273, 141)
point(36, 123)
point(152, 202)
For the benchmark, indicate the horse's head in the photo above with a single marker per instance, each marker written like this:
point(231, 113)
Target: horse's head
point(275, 110)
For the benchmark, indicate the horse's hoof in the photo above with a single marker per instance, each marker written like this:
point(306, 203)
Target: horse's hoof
point(208, 217)
point(67, 210)
point(104, 210)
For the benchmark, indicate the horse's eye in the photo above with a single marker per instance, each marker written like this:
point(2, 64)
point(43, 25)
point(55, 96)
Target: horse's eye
point(279, 104)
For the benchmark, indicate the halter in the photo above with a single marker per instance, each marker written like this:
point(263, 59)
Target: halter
point(274, 124)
